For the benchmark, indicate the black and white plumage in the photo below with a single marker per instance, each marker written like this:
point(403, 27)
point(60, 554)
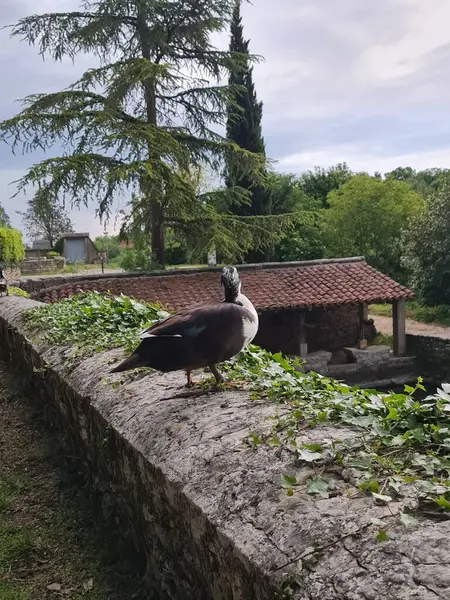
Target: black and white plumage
point(199, 337)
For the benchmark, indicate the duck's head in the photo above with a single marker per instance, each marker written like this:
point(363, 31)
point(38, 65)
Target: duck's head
point(231, 283)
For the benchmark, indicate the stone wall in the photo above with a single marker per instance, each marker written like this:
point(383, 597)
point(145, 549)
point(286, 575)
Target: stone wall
point(326, 328)
point(432, 353)
point(42, 265)
point(204, 510)
point(333, 327)
point(11, 273)
point(279, 331)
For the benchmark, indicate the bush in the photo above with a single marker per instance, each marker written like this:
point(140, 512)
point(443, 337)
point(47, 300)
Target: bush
point(137, 259)
point(427, 250)
point(176, 253)
point(15, 291)
point(52, 254)
point(12, 250)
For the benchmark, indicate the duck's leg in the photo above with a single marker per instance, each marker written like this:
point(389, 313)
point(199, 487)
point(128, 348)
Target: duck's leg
point(189, 379)
point(218, 376)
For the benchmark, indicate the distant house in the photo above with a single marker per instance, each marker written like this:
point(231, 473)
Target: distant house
point(78, 247)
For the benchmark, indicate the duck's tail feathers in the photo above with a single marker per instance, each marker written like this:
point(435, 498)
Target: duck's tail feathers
point(132, 362)
point(162, 353)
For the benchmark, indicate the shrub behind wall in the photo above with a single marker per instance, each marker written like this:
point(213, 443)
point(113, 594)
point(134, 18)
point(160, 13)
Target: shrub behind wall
point(12, 250)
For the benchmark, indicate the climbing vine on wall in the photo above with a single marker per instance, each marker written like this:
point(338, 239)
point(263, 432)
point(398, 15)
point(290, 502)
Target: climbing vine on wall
point(11, 246)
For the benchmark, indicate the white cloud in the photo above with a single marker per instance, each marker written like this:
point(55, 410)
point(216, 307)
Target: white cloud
point(370, 162)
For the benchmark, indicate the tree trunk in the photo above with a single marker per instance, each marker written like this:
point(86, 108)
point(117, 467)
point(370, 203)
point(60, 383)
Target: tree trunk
point(155, 199)
point(157, 232)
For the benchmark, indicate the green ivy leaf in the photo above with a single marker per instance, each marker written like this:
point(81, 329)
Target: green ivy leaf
point(443, 503)
point(288, 481)
point(318, 486)
point(382, 536)
point(408, 520)
point(308, 456)
point(382, 498)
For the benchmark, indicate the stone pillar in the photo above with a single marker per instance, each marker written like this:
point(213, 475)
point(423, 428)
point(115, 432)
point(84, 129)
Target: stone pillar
point(303, 349)
point(362, 342)
point(399, 327)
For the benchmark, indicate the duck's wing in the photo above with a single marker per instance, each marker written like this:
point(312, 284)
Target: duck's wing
point(213, 330)
point(179, 323)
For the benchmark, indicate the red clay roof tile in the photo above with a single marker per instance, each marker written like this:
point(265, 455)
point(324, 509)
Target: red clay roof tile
point(296, 285)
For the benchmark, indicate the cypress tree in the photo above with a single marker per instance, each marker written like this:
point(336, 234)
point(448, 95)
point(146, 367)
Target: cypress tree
point(244, 123)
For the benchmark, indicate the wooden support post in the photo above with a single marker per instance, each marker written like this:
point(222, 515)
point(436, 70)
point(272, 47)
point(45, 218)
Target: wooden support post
point(399, 327)
point(303, 350)
point(362, 342)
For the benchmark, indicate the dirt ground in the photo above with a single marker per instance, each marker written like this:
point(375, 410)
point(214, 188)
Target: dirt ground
point(51, 544)
point(384, 325)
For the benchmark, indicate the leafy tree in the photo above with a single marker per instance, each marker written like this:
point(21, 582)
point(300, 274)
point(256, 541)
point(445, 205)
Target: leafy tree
point(406, 174)
point(4, 219)
point(366, 217)
point(244, 124)
point(109, 244)
point(12, 250)
point(424, 182)
point(305, 240)
point(140, 121)
point(427, 250)
point(319, 182)
point(46, 219)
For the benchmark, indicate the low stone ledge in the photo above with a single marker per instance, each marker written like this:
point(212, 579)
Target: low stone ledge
point(206, 511)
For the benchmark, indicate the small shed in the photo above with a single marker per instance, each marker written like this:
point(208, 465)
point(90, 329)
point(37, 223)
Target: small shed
point(78, 247)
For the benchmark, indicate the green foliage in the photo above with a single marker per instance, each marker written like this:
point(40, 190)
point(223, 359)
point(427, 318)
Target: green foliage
point(139, 257)
point(53, 254)
point(93, 320)
point(244, 124)
point(142, 120)
point(424, 182)
point(366, 218)
point(320, 182)
point(304, 241)
point(430, 314)
point(109, 244)
point(427, 250)
point(4, 219)
point(400, 444)
point(15, 291)
point(12, 250)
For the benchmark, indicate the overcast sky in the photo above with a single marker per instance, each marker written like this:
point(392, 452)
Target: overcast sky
point(343, 80)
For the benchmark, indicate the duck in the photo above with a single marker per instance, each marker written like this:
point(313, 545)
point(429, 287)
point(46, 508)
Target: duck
point(199, 337)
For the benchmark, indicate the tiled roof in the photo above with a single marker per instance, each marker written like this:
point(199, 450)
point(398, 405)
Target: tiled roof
point(310, 283)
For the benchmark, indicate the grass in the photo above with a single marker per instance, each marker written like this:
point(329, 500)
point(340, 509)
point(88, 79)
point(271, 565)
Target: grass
point(52, 543)
point(437, 315)
point(382, 340)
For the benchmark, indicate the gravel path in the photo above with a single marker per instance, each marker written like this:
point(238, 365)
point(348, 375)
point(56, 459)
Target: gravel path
point(384, 325)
